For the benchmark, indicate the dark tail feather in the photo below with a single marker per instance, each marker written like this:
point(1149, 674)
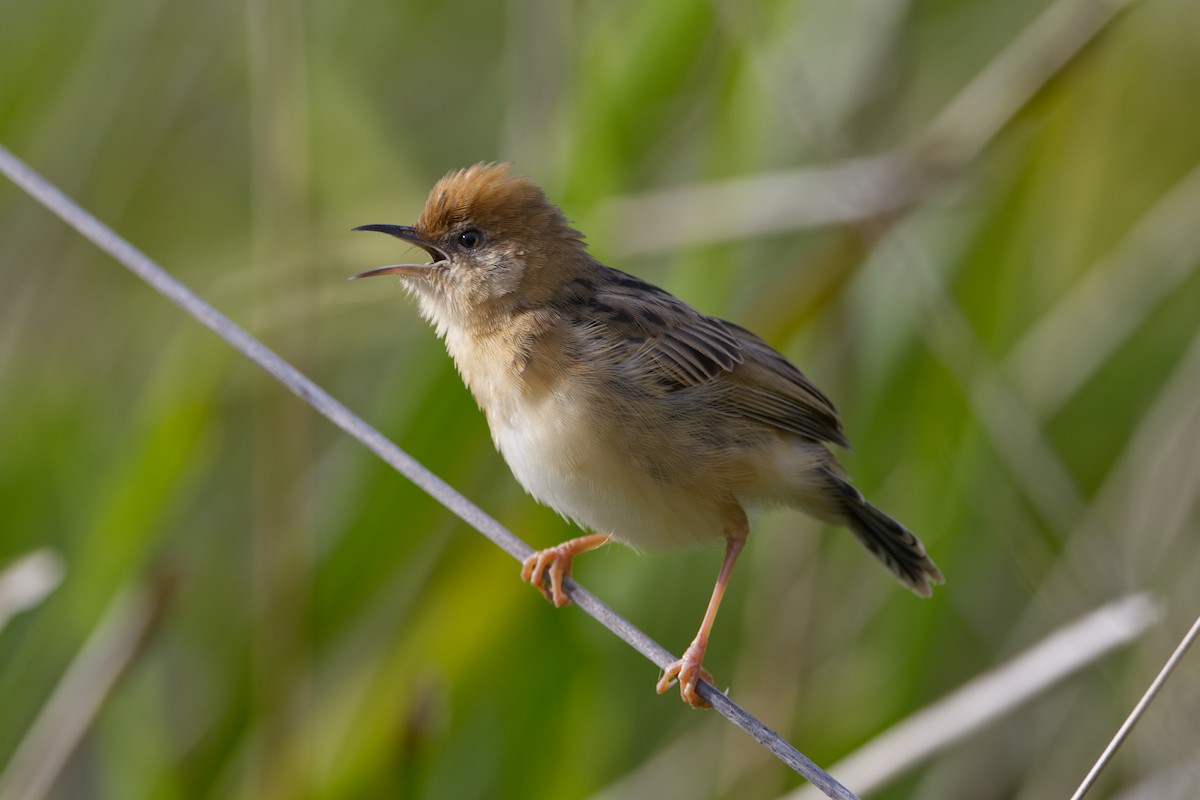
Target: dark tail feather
point(888, 540)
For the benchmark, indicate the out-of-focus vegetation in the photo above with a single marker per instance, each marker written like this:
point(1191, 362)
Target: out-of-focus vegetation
point(1016, 357)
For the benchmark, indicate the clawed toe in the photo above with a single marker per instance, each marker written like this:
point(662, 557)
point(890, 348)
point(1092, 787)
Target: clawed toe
point(534, 570)
point(555, 563)
point(689, 673)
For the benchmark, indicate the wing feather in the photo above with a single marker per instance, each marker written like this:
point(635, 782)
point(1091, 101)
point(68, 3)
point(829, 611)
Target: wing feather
point(683, 348)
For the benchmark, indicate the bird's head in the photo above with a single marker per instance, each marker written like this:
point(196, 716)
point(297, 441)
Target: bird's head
point(495, 242)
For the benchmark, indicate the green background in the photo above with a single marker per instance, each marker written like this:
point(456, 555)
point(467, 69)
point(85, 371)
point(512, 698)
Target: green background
point(1016, 357)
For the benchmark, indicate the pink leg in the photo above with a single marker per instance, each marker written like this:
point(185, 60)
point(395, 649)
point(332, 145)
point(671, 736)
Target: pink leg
point(558, 560)
point(688, 669)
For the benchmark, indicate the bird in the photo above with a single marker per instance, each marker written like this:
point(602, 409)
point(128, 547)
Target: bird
point(619, 405)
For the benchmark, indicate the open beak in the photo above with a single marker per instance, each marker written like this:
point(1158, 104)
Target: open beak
point(409, 235)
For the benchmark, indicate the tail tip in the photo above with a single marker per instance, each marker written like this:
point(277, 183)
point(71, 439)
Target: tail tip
point(922, 584)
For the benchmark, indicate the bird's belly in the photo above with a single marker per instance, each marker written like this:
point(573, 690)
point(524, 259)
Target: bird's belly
point(564, 455)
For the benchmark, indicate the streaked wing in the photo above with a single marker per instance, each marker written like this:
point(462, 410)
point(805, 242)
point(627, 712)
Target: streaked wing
point(693, 351)
point(685, 348)
point(774, 391)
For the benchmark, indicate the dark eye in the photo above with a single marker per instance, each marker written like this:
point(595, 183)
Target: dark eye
point(470, 238)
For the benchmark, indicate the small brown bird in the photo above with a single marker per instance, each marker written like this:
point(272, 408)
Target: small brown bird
point(619, 405)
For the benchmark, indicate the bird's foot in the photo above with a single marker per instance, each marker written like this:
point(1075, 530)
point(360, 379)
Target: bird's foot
point(689, 673)
point(557, 560)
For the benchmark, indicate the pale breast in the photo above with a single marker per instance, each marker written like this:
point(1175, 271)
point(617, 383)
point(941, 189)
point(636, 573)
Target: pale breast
point(573, 450)
point(567, 458)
